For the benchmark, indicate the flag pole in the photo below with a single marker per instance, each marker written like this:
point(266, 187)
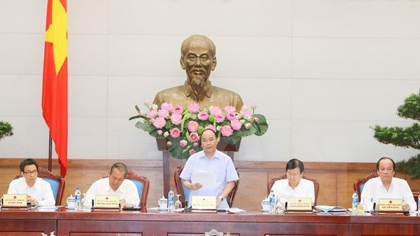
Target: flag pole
point(50, 154)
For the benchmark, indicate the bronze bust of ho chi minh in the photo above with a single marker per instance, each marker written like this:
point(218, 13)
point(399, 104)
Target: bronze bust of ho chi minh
point(198, 59)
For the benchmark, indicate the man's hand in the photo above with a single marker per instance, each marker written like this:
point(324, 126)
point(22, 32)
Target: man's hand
point(406, 207)
point(32, 200)
point(123, 203)
point(196, 186)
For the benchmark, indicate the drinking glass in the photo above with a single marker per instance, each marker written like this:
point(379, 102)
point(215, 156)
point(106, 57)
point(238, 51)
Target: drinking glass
point(178, 204)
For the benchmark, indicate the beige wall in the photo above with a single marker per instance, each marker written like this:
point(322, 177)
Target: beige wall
point(322, 71)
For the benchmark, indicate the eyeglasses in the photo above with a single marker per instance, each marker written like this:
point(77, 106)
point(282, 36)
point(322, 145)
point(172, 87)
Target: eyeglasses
point(30, 172)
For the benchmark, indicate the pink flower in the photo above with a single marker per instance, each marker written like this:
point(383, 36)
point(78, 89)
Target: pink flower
point(193, 107)
point(226, 131)
point(236, 124)
point(230, 116)
point(166, 134)
point(215, 111)
point(159, 122)
point(244, 107)
point(253, 106)
point(177, 110)
point(169, 143)
point(183, 143)
point(160, 132)
point(166, 106)
point(245, 113)
point(229, 109)
point(192, 126)
point(220, 118)
point(256, 119)
point(194, 137)
point(175, 132)
point(151, 121)
point(192, 151)
point(142, 113)
point(203, 115)
point(248, 125)
point(195, 144)
point(210, 127)
point(151, 113)
point(176, 119)
point(146, 102)
point(163, 113)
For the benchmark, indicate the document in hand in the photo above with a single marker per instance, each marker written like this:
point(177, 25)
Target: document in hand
point(205, 178)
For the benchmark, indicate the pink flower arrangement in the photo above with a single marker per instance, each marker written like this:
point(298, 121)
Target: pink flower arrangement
point(226, 131)
point(203, 115)
point(159, 122)
point(175, 132)
point(192, 126)
point(183, 143)
point(182, 126)
point(236, 124)
point(194, 137)
point(176, 119)
point(193, 107)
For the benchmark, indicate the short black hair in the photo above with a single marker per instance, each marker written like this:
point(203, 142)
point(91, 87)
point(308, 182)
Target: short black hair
point(28, 162)
point(295, 163)
point(215, 134)
point(385, 158)
point(121, 167)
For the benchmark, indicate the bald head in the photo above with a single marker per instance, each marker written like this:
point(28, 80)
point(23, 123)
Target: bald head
point(198, 41)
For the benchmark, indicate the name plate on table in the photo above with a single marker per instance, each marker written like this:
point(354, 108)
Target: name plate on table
point(204, 203)
point(299, 204)
point(15, 200)
point(390, 205)
point(106, 201)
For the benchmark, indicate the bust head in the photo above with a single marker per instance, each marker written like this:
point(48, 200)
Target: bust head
point(198, 59)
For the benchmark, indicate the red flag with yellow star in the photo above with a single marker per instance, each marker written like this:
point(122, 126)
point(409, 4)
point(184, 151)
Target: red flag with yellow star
point(54, 89)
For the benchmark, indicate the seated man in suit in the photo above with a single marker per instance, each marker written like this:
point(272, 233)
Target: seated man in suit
point(217, 163)
point(386, 186)
point(38, 190)
point(115, 184)
point(294, 185)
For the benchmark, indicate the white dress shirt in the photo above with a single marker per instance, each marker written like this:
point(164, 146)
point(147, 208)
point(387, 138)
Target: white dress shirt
point(41, 190)
point(127, 191)
point(399, 189)
point(283, 191)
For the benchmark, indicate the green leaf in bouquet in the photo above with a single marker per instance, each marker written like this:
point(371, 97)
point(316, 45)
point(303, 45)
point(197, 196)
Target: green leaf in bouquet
point(261, 125)
point(231, 139)
point(249, 132)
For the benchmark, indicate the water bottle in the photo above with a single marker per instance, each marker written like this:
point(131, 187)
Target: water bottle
point(171, 201)
point(354, 202)
point(272, 201)
point(77, 199)
point(418, 205)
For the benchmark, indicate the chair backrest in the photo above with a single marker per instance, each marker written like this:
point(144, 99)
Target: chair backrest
point(273, 180)
point(57, 183)
point(360, 183)
point(142, 184)
point(185, 192)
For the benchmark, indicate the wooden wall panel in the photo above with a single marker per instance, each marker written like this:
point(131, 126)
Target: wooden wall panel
point(336, 179)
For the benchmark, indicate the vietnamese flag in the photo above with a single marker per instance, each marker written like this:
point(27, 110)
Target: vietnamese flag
point(54, 89)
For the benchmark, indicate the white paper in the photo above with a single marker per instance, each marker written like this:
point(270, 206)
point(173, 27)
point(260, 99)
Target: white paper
point(236, 210)
point(205, 178)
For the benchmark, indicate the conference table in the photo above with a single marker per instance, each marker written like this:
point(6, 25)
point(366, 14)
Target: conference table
point(155, 223)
